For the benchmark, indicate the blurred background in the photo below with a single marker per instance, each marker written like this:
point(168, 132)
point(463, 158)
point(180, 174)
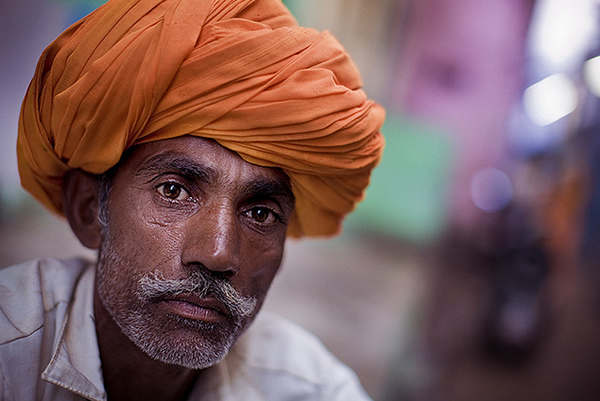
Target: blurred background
point(470, 271)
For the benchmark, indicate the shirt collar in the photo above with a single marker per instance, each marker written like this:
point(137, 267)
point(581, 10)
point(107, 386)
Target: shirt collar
point(75, 363)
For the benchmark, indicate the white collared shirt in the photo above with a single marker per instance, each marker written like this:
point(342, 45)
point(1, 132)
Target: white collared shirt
point(49, 349)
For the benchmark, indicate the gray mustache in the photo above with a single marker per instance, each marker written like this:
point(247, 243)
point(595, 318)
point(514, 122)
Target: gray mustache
point(155, 286)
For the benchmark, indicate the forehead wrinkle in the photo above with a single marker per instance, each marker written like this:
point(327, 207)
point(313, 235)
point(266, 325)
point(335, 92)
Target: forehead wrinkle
point(175, 162)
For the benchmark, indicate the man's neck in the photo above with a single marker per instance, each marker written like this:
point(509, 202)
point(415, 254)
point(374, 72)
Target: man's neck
point(130, 374)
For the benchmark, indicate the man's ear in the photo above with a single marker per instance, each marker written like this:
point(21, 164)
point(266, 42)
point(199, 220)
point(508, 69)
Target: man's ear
point(80, 203)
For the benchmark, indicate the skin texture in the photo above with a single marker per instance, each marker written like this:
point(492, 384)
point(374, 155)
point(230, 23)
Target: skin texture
point(176, 208)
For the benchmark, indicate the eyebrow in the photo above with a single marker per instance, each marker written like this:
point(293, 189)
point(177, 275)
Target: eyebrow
point(278, 190)
point(174, 163)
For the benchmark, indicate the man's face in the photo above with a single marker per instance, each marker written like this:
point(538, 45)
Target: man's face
point(194, 236)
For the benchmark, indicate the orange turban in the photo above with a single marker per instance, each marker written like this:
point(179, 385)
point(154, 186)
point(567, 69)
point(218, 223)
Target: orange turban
point(239, 71)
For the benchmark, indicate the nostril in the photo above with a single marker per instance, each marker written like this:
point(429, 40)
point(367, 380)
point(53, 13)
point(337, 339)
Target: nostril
point(224, 275)
point(216, 273)
point(221, 273)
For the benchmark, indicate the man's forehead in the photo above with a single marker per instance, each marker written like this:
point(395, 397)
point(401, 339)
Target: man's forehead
point(187, 145)
point(200, 159)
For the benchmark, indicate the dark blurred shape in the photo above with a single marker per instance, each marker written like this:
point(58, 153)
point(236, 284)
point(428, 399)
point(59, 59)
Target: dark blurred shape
point(519, 264)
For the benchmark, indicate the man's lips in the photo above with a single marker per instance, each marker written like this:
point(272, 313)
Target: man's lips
point(193, 307)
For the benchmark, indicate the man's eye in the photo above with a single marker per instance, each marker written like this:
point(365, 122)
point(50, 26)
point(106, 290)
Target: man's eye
point(173, 191)
point(263, 215)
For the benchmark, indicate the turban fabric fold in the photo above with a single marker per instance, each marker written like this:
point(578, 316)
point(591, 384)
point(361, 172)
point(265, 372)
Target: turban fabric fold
point(241, 72)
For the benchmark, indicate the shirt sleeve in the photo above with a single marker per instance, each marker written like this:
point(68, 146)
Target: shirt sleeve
point(279, 360)
point(5, 391)
point(344, 385)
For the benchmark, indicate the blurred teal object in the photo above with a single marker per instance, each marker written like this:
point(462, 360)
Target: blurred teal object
point(291, 5)
point(407, 197)
point(299, 10)
point(77, 9)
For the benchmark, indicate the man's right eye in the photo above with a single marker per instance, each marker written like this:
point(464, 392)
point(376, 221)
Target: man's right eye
point(173, 191)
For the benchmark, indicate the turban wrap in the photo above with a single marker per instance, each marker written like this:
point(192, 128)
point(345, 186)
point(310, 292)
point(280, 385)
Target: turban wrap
point(241, 72)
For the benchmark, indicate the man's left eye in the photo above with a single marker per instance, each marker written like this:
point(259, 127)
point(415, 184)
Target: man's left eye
point(263, 215)
point(173, 191)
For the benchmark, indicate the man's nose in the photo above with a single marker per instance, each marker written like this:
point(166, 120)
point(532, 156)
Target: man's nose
point(213, 239)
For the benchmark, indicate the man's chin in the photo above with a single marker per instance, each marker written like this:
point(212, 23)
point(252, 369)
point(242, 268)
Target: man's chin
point(191, 344)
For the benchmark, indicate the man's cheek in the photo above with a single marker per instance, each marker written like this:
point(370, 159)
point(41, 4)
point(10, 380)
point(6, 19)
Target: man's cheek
point(158, 247)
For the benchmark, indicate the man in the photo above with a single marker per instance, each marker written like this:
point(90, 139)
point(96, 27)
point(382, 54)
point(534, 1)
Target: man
point(185, 140)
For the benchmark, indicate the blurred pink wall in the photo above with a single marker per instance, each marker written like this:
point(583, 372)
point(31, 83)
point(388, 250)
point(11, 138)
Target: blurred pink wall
point(461, 69)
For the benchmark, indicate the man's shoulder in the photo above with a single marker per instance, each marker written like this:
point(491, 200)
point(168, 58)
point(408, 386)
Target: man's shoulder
point(273, 341)
point(36, 298)
point(279, 355)
point(29, 289)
